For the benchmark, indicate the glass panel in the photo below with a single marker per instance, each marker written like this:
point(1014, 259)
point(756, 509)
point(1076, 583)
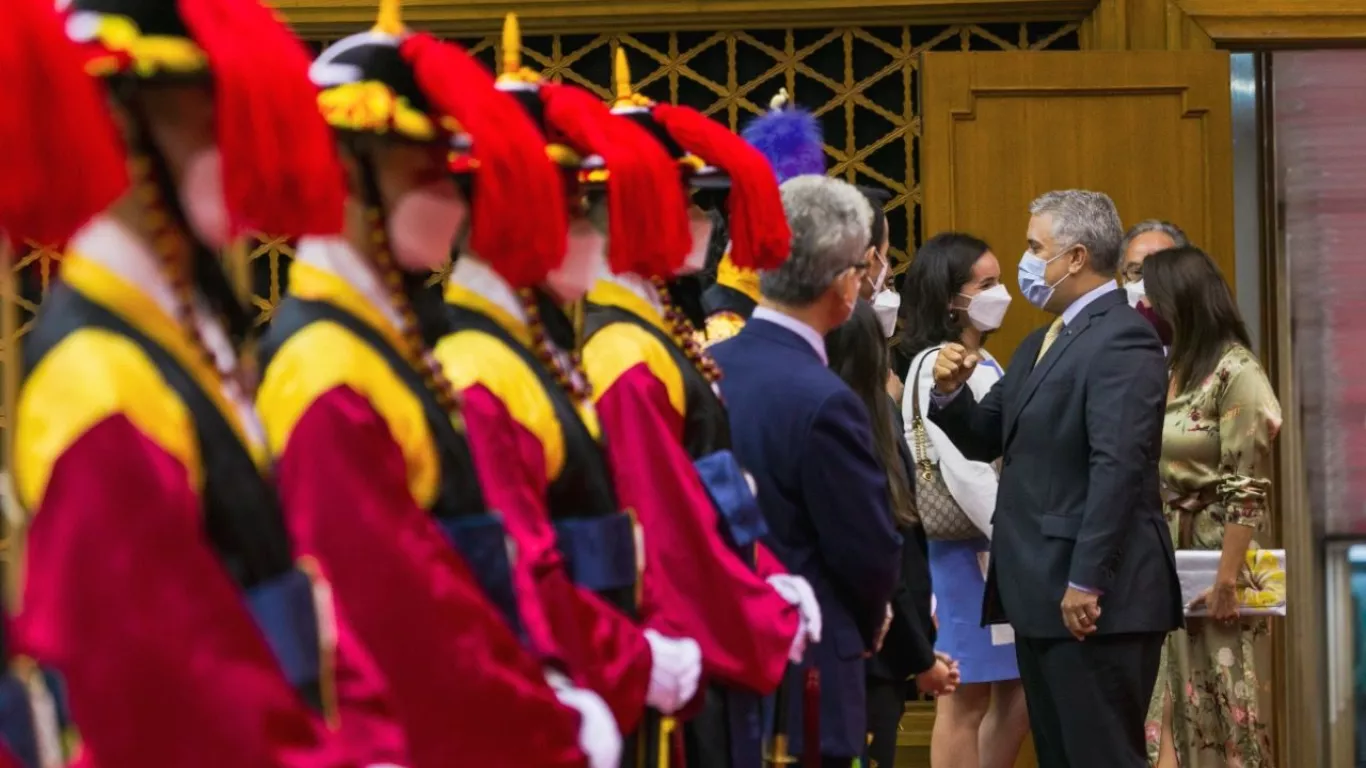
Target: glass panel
point(1320, 128)
point(1247, 203)
point(1345, 596)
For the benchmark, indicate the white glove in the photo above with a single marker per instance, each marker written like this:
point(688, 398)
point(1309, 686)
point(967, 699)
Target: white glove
point(797, 591)
point(598, 735)
point(676, 666)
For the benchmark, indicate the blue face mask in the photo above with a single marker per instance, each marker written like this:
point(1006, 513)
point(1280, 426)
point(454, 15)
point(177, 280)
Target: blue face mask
point(1033, 285)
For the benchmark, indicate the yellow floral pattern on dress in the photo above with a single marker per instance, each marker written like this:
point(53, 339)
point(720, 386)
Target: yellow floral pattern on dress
point(1216, 450)
point(1262, 583)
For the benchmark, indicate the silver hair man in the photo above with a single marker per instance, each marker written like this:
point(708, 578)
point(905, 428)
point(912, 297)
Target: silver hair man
point(1145, 238)
point(1085, 218)
point(830, 221)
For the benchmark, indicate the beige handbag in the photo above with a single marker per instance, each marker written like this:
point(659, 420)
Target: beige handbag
point(940, 515)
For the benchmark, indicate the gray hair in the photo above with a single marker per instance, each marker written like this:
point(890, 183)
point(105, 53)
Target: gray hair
point(1167, 228)
point(1085, 218)
point(830, 221)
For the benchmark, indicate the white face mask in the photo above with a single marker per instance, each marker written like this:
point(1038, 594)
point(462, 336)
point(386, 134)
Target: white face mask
point(701, 226)
point(584, 262)
point(881, 275)
point(1135, 292)
point(202, 198)
point(423, 225)
point(987, 309)
point(887, 305)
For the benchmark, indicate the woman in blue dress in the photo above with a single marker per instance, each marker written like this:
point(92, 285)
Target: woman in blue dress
point(953, 293)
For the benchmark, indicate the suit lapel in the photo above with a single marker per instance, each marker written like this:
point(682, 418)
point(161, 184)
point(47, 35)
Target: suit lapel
point(1070, 334)
point(1040, 371)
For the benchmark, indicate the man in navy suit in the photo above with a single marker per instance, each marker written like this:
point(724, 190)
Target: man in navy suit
point(1081, 560)
point(807, 440)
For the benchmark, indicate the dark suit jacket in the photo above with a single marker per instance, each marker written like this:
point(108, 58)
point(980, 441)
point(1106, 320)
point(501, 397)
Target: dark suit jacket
point(806, 438)
point(1078, 501)
point(909, 647)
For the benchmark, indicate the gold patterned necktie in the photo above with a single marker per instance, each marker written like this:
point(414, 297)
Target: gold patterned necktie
point(1054, 331)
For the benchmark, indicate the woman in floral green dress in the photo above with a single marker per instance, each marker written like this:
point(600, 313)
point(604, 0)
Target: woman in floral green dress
point(1222, 417)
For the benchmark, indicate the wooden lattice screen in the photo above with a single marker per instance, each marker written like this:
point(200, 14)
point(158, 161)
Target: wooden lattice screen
point(861, 82)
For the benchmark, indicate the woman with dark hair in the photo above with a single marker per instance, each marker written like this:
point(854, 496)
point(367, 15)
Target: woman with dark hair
point(953, 293)
point(858, 354)
point(1222, 417)
point(877, 288)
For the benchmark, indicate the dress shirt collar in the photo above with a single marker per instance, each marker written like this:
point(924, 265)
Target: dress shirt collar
point(806, 332)
point(1075, 308)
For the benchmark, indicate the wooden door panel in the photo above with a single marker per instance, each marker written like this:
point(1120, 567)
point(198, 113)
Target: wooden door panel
point(1151, 129)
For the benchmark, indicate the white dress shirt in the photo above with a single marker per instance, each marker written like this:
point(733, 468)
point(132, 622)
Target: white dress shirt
point(809, 335)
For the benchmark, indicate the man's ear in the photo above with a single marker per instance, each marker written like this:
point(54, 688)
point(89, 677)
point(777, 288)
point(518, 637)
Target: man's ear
point(1080, 258)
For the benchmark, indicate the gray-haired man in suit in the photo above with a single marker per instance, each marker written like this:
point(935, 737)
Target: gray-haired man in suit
point(1081, 561)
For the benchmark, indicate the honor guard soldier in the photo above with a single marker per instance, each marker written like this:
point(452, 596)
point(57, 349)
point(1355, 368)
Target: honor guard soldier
point(790, 138)
point(159, 578)
point(41, 72)
point(375, 467)
point(535, 438)
point(706, 575)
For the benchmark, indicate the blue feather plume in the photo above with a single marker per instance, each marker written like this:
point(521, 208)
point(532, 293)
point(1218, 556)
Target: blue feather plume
point(791, 139)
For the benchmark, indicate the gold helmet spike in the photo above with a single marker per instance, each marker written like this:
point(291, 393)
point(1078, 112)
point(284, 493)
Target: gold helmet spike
point(621, 71)
point(390, 19)
point(512, 45)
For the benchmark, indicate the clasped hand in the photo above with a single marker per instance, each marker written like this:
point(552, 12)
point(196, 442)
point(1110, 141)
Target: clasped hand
point(1080, 612)
point(940, 679)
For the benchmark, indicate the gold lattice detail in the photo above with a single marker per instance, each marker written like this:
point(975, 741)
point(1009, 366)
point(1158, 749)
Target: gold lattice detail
point(33, 272)
point(268, 260)
point(862, 83)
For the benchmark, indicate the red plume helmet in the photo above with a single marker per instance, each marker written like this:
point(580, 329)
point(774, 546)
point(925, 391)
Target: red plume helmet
point(648, 226)
point(281, 174)
point(63, 160)
point(513, 175)
point(760, 236)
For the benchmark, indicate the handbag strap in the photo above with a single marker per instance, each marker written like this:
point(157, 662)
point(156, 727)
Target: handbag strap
point(918, 422)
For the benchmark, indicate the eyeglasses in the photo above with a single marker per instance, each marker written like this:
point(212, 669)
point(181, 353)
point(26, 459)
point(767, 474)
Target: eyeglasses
point(1132, 273)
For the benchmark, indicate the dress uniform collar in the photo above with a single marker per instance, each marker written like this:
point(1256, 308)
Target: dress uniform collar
point(107, 242)
point(475, 285)
point(632, 293)
point(337, 256)
point(112, 247)
point(745, 281)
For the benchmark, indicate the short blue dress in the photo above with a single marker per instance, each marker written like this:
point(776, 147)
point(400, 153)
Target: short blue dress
point(984, 654)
